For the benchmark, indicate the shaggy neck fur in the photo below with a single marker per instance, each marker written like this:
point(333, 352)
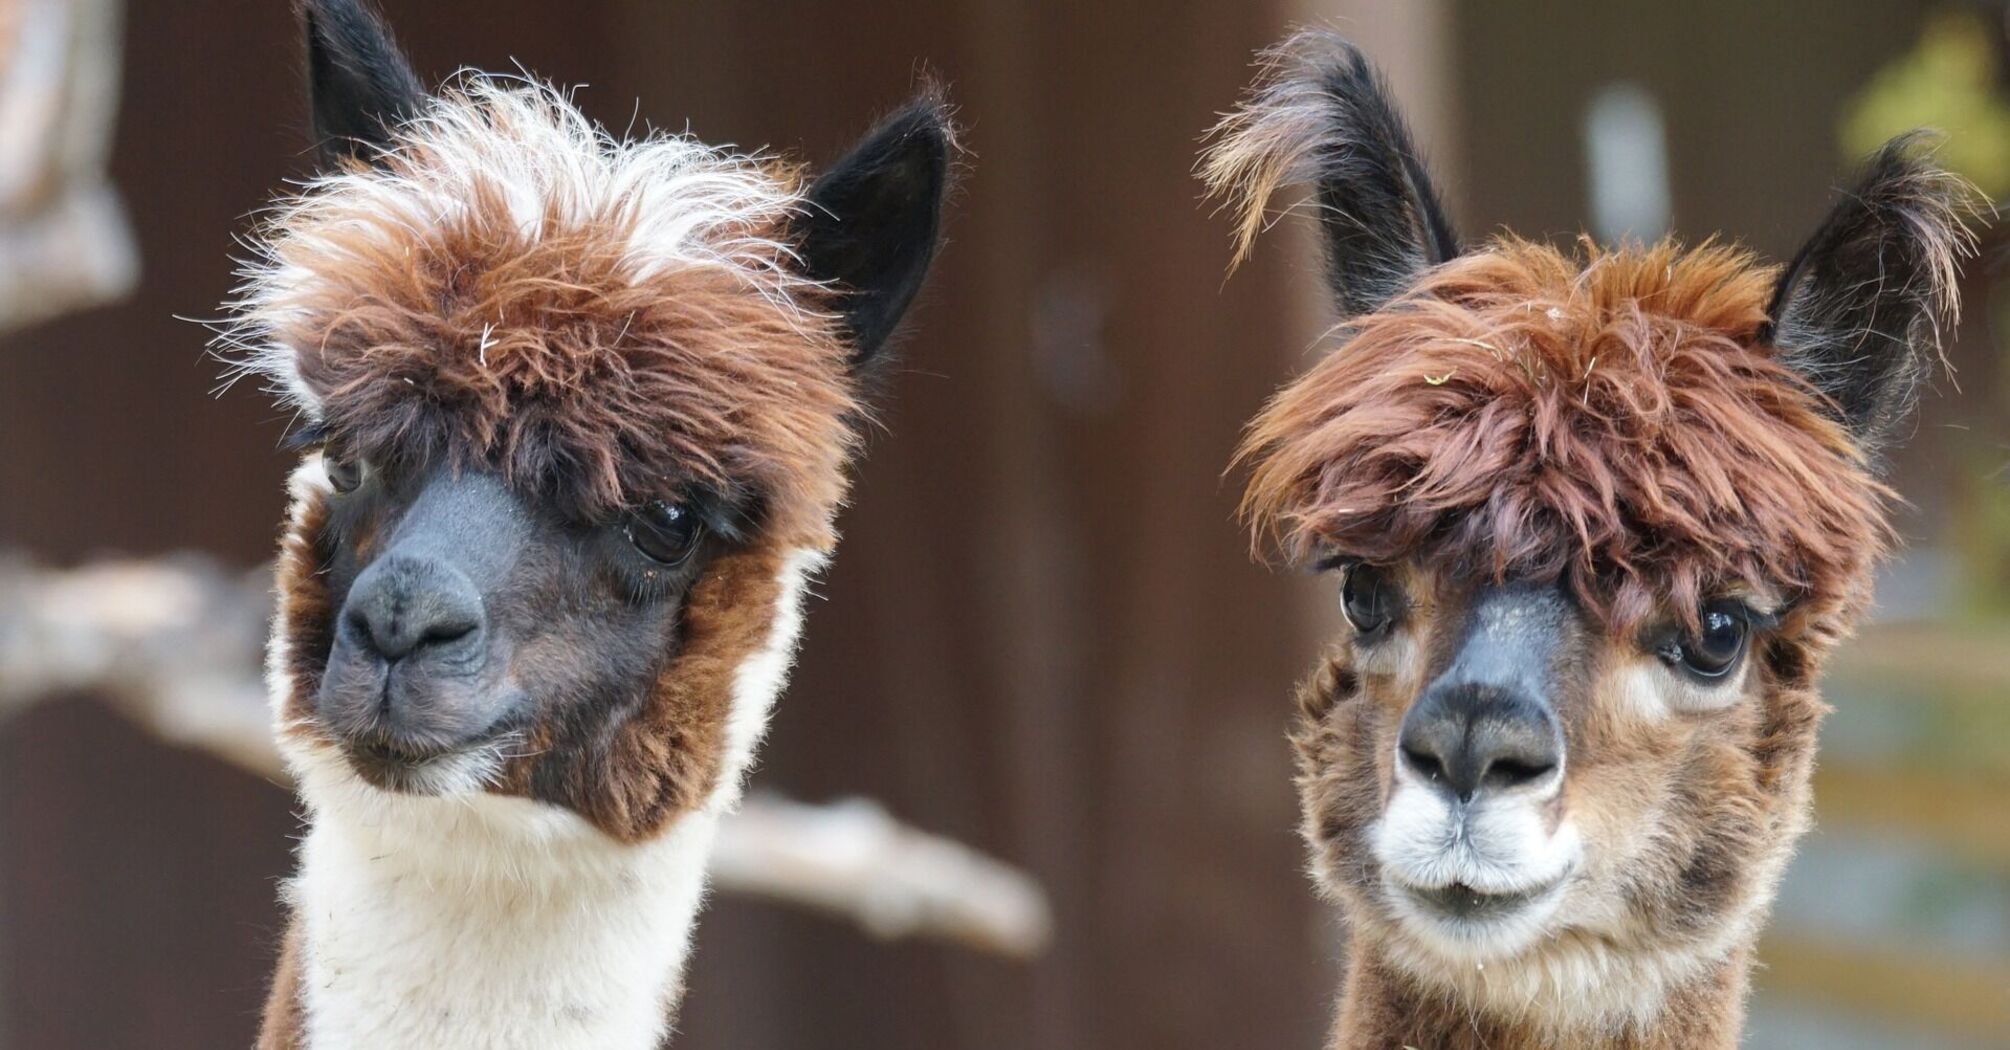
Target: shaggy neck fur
point(485, 923)
point(1384, 1008)
point(493, 922)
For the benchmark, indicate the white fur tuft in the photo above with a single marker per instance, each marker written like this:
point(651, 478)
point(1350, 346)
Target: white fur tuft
point(760, 679)
point(678, 202)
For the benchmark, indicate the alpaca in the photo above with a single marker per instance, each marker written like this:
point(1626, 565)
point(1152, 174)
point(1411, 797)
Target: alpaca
point(577, 414)
point(1597, 520)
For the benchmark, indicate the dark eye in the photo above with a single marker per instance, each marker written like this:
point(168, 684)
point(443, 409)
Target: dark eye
point(1369, 599)
point(664, 532)
point(1724, 629)
point(344, 472)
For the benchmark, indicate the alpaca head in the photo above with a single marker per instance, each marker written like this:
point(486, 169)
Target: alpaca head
point(577, 414)
point(1595, 522)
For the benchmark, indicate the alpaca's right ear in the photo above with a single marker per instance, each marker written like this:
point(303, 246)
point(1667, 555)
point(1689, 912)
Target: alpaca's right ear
point(872, 222)
point(359, 84)
point(1861, 309)
point(1319, 114)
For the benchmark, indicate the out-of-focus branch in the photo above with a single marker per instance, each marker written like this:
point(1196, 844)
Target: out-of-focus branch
point(852, 858)
point(64, 243)
point(174, 645)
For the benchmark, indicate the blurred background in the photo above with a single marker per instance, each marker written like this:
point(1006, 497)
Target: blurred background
point(1043, 637)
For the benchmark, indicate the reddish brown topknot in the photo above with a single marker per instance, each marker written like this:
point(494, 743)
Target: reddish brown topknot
point(1611, 419)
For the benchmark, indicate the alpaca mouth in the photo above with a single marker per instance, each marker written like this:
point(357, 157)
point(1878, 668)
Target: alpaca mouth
point(1462, 903)
point(1471, 915)
point(400, 767)
point(418, 734)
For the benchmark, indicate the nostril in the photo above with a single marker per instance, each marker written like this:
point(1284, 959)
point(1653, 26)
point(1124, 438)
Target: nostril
point(1467, 740)
point(376, 627)
point(397, 636)
point(401, 606)
point(1423, 763)
point(445, 632)
point(1513, 772)
point(356, 624)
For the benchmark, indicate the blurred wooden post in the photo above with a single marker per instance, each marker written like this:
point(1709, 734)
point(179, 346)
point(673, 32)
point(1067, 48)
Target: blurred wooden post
point(64, 244)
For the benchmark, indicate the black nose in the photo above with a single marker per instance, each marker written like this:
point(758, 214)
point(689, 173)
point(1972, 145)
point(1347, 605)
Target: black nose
point(401, 606)
point(1470, 738)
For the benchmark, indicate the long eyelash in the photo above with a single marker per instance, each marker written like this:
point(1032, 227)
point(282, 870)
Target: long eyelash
point(1336, 560)
point(306, 437)
point(1754, 619)
point(730, 516)
point(646, 583)
point(638, 586)
point(642, 587)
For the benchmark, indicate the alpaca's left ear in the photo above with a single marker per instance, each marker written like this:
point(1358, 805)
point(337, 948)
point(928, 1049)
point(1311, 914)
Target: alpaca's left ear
point(359, 84)
point(1860, 310)
point(1321, 115)
point(872, 221)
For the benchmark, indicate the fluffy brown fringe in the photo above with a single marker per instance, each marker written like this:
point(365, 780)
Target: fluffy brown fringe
point(506, 290)
point(1611, 419)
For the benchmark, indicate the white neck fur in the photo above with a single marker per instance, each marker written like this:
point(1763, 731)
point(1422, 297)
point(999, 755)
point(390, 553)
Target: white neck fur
point(483, 922)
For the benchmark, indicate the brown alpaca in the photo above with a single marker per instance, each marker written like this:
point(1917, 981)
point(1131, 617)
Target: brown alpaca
point(1599, 519)
point(577, 413)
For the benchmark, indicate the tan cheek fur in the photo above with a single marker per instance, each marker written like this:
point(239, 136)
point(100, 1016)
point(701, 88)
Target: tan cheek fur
point(1625, 760)
point(1351, 711)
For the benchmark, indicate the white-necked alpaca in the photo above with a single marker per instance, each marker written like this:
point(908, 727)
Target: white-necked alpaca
point(578, 414)
point(1599, 520)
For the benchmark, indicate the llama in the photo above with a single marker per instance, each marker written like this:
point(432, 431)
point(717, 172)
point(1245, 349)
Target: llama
point(1598, 519)
point(577, 413)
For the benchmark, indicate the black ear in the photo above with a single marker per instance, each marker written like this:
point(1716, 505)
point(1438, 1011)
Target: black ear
point(1859, 311)
point(359, 84)
point(872, 221)
point(1319, 114)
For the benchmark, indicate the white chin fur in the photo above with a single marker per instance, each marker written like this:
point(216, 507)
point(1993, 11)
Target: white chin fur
point(1496, 845)
point(1557, 960)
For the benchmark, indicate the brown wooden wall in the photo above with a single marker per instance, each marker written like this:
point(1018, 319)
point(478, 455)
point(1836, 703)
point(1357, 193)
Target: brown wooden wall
point(1752, 95)
point(1042, 634)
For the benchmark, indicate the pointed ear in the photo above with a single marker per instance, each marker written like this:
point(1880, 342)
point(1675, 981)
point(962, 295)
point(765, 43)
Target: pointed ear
point(871, 222)
point(359, 85)
point(1319, 114)
point(1860, 310)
